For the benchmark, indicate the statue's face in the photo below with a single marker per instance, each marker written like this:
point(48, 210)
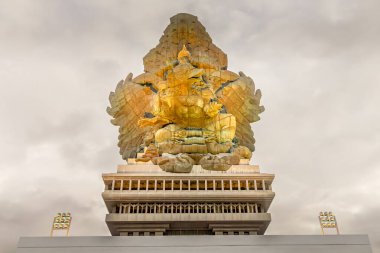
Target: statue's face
point(184, 95)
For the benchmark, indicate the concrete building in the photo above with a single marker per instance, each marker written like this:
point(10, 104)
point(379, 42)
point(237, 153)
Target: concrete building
point(202, 211)
point(200, 243)
point(144, 200)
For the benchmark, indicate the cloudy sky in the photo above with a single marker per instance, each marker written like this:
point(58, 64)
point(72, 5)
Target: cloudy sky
point(316, 62)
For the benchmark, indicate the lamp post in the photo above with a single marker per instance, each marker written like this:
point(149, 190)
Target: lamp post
point(328, 220)
point(62, 221)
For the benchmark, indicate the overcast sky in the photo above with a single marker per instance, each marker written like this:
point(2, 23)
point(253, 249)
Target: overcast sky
point(316, 62)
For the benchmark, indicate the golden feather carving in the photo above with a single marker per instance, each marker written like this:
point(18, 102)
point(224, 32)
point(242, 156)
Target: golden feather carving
point(129, 102)
point(242, 100)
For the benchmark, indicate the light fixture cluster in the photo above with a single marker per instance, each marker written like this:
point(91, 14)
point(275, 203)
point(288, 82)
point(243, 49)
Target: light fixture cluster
point(328, 220)
point(62, 221)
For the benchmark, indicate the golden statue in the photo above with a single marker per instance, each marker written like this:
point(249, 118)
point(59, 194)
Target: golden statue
point(186, 102)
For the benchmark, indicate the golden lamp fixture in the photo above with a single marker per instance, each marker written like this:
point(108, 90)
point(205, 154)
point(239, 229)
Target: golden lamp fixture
point(62, 221)
point(186, 108)
point(327, 220)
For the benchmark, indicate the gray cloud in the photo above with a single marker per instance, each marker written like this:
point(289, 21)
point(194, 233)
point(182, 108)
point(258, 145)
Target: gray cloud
point(316, 63)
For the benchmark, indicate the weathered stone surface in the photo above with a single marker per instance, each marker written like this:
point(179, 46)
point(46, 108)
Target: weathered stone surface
point(196, 157)
point(150, 153)
point(243, 152)
point(217, 148)
point(179, 164)
point(214, 162)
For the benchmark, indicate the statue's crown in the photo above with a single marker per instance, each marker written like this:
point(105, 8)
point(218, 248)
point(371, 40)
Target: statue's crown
point(183, 53)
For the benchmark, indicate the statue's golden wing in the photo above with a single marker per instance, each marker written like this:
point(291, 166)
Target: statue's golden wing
point(242, 100)
point(129, 103)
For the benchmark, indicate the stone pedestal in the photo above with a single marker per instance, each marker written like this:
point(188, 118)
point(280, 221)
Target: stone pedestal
point(143, 200)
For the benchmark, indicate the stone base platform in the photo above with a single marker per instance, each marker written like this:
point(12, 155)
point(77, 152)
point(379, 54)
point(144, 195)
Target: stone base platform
point(207, 244)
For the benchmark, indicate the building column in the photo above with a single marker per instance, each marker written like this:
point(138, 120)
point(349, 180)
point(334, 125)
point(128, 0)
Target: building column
point(263, 182)
point(254, 181)
point(121, 185)
point(113, 185)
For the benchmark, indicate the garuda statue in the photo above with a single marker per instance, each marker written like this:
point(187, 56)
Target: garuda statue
point(187, 108)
